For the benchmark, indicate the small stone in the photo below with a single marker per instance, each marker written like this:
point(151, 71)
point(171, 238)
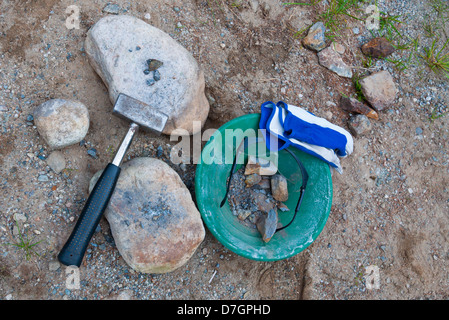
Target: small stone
point(146, 71)
point(154, 64)
point(331, 59)
point(418, 131)
point(281, 206)
point(279, 187)
point(355, 106)
point(20, 217)
point(267, 225)
point(42, 178)
point(243, 214)
point(150, 82)
point(264, 183)
point(53, 265)
point(157, 75)
point(260, 166)
point(111, 8)
point(61, 122)
point(359, 125)
point(379, 90)
point(93, 153)
point(315, 39)
point(262, 202)
point(56, 161)
point(159, 152)
point(252, 179)
point(378, 48)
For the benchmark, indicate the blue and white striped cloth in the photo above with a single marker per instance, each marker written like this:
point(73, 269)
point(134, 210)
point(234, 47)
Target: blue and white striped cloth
point(296, 127)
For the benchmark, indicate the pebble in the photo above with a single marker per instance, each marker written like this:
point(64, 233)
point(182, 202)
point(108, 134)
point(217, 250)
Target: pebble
point(93, 153)
point(359, 124)
point(315, 39)
point(353, 105)
point(154, 64)
point(378, 48)
point(379, 89)
point(20, 217)
point(279, 187)
point(111, 8)
point(43, 178)
point(157, 75)
point(331, 59)
point(56, 161)
point(267, 224)
point(252, 179)
point(159, 151)
point(260, 166)
point(418, 131)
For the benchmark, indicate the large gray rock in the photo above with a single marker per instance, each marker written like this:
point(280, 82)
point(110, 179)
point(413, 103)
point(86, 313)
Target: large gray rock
point(154, 221)
point(120, 48)
point(61, 122)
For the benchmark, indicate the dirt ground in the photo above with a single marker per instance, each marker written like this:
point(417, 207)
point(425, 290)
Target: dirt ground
point(390, 207)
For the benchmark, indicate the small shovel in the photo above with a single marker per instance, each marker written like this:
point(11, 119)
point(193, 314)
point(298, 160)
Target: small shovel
point(140, 115)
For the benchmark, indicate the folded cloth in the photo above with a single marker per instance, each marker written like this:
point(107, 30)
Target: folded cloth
point(293, 126)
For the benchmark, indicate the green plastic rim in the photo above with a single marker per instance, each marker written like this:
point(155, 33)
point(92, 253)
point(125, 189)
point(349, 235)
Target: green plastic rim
point(212, 172)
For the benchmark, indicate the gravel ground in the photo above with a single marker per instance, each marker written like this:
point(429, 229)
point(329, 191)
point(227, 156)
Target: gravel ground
point(390, 206)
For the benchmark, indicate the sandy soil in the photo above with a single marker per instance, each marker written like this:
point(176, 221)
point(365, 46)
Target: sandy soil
point(390, 206)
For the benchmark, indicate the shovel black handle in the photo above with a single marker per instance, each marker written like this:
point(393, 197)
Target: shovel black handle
point(73, 251)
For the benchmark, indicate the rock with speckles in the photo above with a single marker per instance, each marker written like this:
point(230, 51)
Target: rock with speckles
point(154, 221)
point(61, 123)
point(126, 52)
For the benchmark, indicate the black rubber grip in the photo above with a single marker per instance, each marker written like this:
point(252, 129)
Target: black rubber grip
point(73, 251)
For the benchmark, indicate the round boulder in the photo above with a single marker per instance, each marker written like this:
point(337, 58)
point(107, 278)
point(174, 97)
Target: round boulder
point(144, 62)
point(154, 221)
point(61, 123)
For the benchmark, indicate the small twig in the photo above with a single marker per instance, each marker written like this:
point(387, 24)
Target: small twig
point(213, 275)
point(269, 79)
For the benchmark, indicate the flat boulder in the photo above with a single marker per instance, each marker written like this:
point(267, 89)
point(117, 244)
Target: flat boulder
point(153, 219)
point(137, 59)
